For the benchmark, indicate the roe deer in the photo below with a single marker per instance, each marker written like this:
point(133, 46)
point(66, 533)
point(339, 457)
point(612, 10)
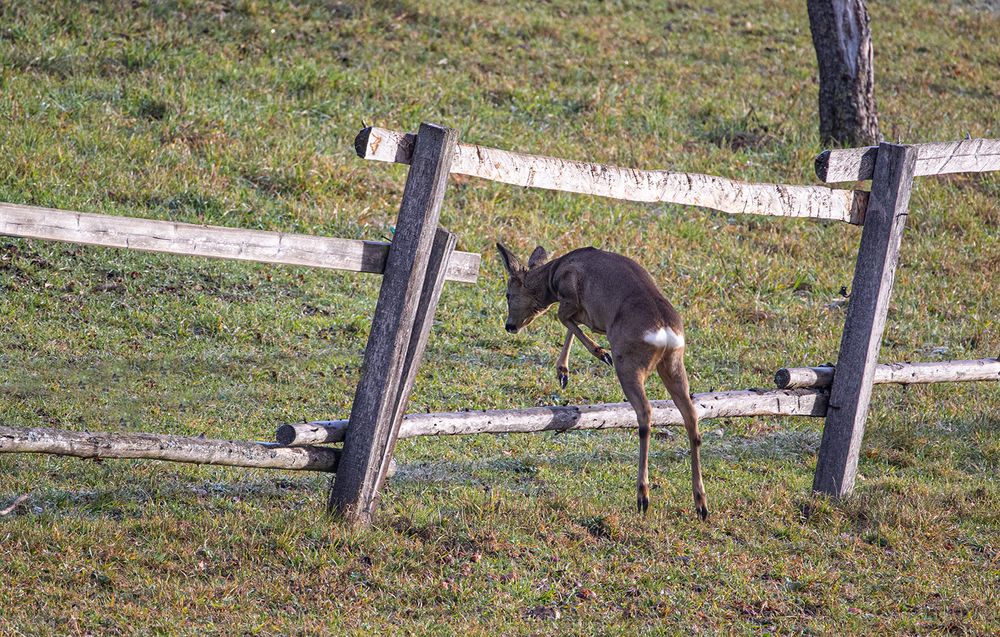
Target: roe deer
point(611, 294)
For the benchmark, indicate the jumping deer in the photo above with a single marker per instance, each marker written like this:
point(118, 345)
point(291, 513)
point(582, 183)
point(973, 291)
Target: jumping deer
point(611, 294)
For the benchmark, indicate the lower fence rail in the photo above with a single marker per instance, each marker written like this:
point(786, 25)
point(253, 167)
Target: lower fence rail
point(726, 404)
point(302, 446)
point(232, 453)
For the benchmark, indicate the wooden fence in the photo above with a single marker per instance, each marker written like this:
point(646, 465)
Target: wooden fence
point(422, 256)
point(414, 267)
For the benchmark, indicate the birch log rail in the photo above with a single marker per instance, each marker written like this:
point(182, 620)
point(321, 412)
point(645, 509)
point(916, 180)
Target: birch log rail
point(100, 445)
point(707, 191)
point(211, 241)
point(938, 158)
point(727, 404)
point(902, 373)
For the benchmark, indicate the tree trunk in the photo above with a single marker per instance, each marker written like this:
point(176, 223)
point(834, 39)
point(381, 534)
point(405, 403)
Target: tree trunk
point(843, 40)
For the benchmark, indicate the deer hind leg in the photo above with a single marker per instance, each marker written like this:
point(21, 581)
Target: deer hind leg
point(674, 376)
point(632, 377)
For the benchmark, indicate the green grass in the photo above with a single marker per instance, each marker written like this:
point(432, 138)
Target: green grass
point(243, 114)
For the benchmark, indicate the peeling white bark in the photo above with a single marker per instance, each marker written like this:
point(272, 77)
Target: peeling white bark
point(938, 158)
point(841, 35)
point(99, 445)
point(707, 191)
point(754, 402)
point(901, 373)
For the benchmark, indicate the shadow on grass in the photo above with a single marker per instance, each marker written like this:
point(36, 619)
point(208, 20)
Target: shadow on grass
point(134, 499)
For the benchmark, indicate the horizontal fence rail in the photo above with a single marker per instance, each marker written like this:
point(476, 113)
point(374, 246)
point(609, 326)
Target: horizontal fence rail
point(707, 191)
point(901, 373)
point(232, 453)
point(211, 241)
point(937, 158)
point(727, 404)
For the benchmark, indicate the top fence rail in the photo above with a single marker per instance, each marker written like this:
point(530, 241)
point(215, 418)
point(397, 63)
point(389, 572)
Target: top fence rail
point(938, 158)
point(707, 191)
point(241, 244)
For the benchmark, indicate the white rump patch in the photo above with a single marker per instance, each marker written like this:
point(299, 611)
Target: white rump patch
point(664, 338)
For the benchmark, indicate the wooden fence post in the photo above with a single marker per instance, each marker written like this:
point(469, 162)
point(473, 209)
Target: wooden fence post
point(441, 252)
point(396, 340)
point(874, 273)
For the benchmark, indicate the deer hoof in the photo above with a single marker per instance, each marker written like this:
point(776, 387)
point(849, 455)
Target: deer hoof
point(563, 375)
point(605, 357)
point(702, 511)
point(642, 504)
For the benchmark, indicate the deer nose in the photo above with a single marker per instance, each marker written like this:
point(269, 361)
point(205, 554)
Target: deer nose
point(510, 327)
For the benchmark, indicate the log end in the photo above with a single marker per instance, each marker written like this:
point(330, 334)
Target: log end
point(361, 142)
point(822, 164)
point(285, 435)
point(782, 378)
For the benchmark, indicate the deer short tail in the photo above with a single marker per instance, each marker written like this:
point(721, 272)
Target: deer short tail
point(664, 338)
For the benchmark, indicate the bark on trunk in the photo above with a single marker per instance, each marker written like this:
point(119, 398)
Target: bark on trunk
point(842, 37)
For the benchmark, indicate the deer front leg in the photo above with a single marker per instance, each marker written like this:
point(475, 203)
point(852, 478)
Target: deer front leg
point(565, 317)
point(562, 364)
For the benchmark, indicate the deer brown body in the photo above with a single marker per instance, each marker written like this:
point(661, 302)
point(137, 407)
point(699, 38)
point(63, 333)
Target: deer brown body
point(612, 294)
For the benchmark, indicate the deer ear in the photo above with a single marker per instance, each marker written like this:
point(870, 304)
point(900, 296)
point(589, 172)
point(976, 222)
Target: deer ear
point(538, 257)
point(510, 262)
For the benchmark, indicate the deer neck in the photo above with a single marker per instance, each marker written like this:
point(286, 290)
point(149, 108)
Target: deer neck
point(540, 281)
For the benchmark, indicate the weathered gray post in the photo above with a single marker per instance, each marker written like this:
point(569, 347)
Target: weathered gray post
point(403, 315)
point(441, 251)
point(874, 274)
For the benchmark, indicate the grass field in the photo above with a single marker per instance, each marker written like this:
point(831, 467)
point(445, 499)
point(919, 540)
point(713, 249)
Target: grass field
point(243, 114)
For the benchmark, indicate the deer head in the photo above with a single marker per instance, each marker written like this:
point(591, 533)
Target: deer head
point(525, 294)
